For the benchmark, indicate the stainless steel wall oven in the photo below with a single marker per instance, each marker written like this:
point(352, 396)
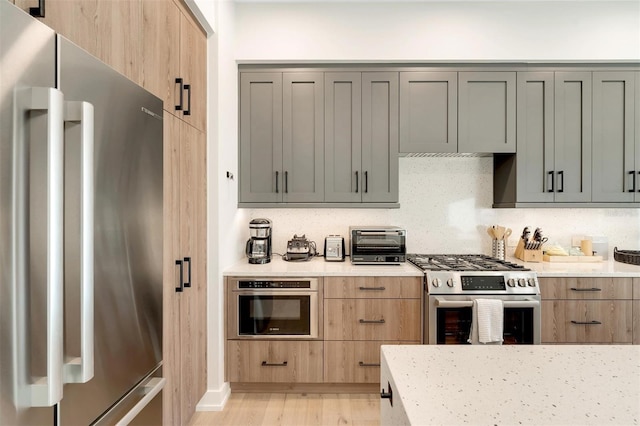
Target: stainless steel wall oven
point(274, 308)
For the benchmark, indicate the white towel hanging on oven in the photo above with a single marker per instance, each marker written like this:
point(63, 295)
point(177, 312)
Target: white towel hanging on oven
point(487, 324)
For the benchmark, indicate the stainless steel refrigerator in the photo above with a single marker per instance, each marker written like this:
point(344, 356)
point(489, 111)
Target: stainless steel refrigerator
point(81, 235)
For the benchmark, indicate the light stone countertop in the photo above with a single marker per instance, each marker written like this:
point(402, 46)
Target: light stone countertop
point(510, 385)
point(606, 268)
point(318, 267)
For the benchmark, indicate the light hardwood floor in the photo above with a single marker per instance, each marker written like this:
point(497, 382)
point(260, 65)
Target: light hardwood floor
point(251, 409)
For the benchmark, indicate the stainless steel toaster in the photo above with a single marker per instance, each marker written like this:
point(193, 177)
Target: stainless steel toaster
point(334, 248)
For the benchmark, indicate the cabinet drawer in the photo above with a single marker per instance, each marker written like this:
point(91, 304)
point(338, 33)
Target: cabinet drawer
point(373, 287)
point(354, 362)
point(586, 288)
point(586, 321)
point(274, 361)
point(372, 319)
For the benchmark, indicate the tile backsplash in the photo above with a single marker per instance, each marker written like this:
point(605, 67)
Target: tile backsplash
point(445, 206)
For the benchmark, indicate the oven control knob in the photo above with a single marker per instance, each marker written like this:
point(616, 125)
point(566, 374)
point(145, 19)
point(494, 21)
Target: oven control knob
point(511, 282)
point(450, 282)
point(531, 282)
point(436, 282)
point(522, 282)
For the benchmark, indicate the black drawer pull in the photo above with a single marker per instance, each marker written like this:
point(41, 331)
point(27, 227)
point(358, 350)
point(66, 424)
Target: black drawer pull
point(586, 322)
point(364, 364)
point(586, 289)
point(387, 395)
point(364, 321)
point(373, 288)
point(269, 364)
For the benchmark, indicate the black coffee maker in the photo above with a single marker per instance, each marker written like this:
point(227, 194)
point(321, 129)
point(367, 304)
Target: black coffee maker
point(259, 245)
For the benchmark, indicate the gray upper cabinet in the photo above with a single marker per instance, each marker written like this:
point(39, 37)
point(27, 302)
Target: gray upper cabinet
point(380, 137)
point(535, 158)
point(343, 137)
point(615, 149)
point(260, 137)
point(303, 137)
point(361, 137)
point(572, 164)
point(428, 112)
point(281, 137)
point(487, 112)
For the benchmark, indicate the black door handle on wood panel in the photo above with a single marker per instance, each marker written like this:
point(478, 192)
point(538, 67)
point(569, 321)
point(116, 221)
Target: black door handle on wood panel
point(180, 286)
point(188, 283)
point(187, 88)
point(180, 106)
point(37, 12)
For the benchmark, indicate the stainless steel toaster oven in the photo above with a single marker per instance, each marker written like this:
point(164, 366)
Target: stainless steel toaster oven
point(378, 244)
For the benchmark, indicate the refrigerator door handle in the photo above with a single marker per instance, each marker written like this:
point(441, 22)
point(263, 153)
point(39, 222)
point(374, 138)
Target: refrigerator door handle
point(150, 389)
point(40, 391)
point(80, 369)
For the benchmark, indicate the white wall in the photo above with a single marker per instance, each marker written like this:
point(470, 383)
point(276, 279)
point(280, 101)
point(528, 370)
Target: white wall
point(445, 202)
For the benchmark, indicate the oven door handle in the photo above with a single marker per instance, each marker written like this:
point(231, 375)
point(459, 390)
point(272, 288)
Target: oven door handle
point(527, 303)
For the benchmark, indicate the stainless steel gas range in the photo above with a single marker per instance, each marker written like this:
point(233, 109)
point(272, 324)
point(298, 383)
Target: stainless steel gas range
point(452, 282)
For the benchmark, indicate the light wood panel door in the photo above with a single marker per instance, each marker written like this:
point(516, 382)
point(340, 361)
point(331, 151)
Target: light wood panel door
point(372, 319)
point(109, 30)
point(372, 287)
point(586, 321)
point(354, 362)
point(185, 270)
point(161, 49)
point(274, 361)
point(193, 69)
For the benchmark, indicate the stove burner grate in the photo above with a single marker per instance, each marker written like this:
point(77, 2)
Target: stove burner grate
point(462, 262)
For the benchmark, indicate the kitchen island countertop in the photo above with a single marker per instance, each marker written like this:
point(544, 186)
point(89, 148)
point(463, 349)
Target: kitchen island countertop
point(318, 267)
point(606, 268)
point(516, 384)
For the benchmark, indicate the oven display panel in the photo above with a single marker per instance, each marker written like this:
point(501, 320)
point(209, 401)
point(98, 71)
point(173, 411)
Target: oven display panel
point(495, 282)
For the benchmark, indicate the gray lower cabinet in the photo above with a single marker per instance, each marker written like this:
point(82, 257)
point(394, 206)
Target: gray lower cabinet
point(487, 112)
point(616, 148)
point(361, 137)
point(428, 112)
point(281, 137)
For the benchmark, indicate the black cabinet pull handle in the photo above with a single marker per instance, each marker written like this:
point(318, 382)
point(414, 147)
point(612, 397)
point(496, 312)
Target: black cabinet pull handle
point(387, 395)
point(37, 12)
point(188, 283)
point(357, 182)
point(187, 88)
point(277, 178)
point(633, 181)
point(586, 289)
point(586, 322)
point(286, 182)
point(552, 179)
point(364, 321)
point(181, 104)
point(364, 364)
point(366, 182)
point(372, 288)
point(180, 286)
point(561, 177)
point(269, 364)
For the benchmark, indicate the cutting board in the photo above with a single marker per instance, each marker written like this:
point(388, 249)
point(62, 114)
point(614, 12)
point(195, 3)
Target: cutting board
point(572, 259)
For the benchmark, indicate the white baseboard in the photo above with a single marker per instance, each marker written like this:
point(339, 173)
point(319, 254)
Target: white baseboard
point(215, 400)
